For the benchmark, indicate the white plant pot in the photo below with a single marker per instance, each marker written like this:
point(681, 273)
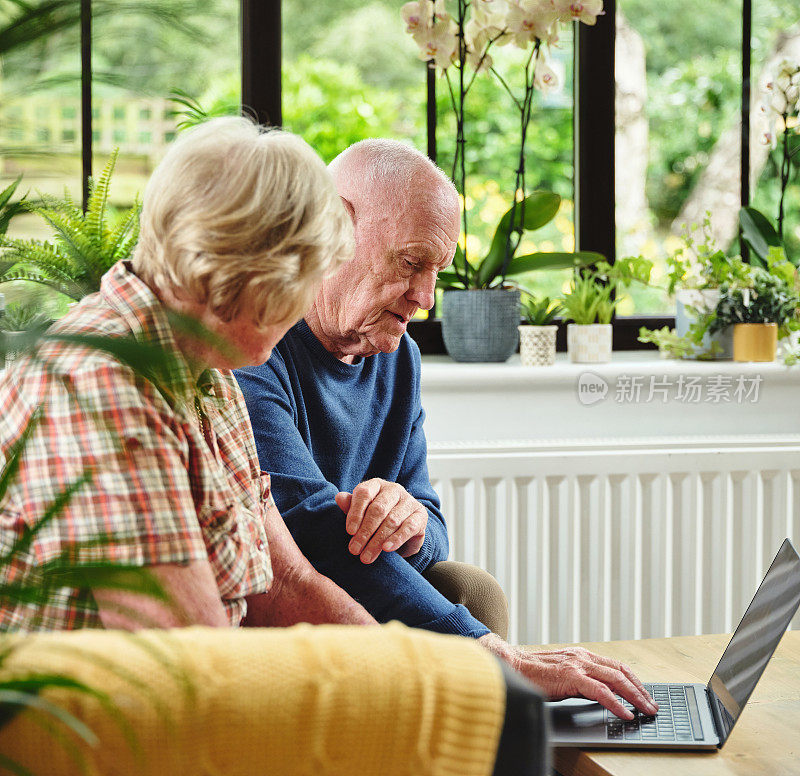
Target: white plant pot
point(589, 343)
point(688, 303)
point(537, 345)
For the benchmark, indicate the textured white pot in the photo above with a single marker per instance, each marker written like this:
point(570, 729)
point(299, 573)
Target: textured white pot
point(537, 345)
point(589, 343)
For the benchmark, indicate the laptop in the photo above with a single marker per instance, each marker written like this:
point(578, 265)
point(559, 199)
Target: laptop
point(694, 716)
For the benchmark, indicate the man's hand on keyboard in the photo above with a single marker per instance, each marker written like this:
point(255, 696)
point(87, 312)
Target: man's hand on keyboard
point(572, 672)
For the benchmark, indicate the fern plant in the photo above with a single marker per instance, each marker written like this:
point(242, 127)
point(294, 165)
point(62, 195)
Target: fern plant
point(22, 317)
point(84, 245)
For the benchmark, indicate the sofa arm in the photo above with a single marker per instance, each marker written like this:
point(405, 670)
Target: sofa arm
point(303, 700)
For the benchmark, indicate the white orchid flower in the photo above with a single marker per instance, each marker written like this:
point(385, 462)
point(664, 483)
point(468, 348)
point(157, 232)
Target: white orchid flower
point(439, 43)
point(480, 61)
point(418, 16)
point(788, 67)
point(768, 138)
point(779, 103)
point(545, 78)
point(530, 21)
point(585, 11)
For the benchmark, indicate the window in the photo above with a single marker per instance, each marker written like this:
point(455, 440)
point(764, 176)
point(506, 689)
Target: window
point(678, 104)
point(776, 33)
point(150, 55)
point(349, 71)
point(141, 53)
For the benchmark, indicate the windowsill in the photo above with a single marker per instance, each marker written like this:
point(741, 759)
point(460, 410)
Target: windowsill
point(436, 369)
point(643, 396)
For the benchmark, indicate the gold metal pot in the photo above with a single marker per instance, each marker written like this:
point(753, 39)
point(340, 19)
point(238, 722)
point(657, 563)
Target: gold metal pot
point(755, 341)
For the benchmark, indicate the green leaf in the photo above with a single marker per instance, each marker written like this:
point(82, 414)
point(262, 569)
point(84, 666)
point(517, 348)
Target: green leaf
point(34, 684)
point(448, 278)
point(758, 232)
point(8, 192)
point(540, 207)
point(14, 453)
point(98, 201)
point(22, 543)
point(14, 767)
point(25, 700)
point(151, 361)
point(531, 262)
point(102, 575)
point(794, 149)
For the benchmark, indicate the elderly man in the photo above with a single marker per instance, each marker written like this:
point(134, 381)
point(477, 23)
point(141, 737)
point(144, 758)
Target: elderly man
point(338, 423)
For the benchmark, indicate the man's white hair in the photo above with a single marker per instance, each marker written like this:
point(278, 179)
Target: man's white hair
point(391, 166)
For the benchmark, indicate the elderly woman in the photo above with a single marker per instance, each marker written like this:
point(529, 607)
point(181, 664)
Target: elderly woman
point(238, 227)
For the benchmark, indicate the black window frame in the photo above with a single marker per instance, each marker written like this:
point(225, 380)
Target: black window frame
point(593, 128)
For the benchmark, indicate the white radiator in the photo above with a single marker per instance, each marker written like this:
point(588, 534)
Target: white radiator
point(602, 540)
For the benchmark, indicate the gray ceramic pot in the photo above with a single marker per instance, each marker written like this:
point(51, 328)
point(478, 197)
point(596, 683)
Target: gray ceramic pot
point(480, 324)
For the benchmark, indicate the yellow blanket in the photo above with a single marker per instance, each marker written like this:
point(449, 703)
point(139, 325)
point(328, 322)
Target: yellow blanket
point(304, 700)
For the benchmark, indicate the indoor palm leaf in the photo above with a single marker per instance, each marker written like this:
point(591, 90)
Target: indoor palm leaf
point(84, 245)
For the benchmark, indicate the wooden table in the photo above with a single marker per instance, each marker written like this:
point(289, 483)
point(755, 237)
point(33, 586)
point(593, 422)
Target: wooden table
point(765, 741)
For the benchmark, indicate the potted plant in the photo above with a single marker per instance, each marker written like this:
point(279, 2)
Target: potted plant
point(756, 311)
point(537, 338)
point(84, 246)
point(696, 272)
point(590, 303)
point(479, 308)
point(480, 305)
point(17, 321)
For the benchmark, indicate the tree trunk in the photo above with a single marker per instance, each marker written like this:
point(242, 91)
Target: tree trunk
point(631, 144)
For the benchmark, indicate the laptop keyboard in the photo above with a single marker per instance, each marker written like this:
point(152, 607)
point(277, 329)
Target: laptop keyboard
point(678, 718)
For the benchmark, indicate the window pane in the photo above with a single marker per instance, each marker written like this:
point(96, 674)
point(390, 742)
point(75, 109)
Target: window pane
point(39, 130)
point(140, 58)
point(776, 35)
point(350, 72)
point(141, 52)
point(492, 131)
point(678, 119)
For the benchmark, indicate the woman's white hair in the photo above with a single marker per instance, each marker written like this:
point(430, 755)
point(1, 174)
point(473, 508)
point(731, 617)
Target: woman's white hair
point(242, 219)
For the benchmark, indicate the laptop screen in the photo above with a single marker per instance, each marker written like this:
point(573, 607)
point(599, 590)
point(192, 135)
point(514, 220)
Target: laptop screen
point(756, 638)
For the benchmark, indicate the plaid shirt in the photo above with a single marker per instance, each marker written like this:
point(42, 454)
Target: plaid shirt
point(171, 481)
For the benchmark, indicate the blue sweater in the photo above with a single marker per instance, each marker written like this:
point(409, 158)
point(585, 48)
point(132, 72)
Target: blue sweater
point(322, 426)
